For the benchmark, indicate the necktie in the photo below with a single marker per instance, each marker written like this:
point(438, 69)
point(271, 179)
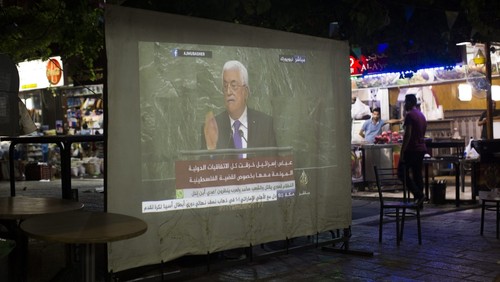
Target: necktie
point(236, 134)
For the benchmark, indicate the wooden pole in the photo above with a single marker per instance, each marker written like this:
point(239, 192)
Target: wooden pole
point(489, 108)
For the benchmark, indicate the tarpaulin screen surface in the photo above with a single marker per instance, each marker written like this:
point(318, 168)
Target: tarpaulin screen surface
point(164, 76)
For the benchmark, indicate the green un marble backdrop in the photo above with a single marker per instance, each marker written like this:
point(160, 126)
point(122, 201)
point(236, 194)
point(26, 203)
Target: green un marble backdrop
point(177, 92)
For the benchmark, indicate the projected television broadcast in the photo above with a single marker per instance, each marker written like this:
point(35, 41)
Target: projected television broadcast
point(191, 90)
point(223, 136)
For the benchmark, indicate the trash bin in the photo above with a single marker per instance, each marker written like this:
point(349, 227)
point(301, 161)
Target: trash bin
point(438, 192)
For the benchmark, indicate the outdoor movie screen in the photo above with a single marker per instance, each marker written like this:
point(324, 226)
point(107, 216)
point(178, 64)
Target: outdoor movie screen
point(222, 135)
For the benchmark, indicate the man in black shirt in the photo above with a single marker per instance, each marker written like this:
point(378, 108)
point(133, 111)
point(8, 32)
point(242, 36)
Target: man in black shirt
point(483, 120)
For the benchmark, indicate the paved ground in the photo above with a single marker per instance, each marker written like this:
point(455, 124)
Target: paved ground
point(452, 249)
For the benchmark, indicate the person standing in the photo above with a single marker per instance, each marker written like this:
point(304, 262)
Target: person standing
point(372, 127)
point(482, 121)
point(413, 149)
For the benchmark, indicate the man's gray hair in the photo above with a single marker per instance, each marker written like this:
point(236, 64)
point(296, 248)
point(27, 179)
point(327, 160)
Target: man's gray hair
point(237, 65)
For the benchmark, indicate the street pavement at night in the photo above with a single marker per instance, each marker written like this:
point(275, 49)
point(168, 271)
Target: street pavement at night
point(452, 248)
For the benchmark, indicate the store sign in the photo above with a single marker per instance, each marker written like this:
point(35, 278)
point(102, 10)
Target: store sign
point(53, 71)
point(410, 78)
point(39, 74)
point(367, 64)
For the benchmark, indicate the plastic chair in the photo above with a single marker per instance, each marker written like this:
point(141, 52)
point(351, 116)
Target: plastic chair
point(387, 181)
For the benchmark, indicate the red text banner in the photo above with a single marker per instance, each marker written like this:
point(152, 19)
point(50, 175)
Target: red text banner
point(219, 183)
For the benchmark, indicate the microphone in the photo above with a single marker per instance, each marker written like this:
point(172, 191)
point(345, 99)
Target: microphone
point(243, 135)
point(230, 140)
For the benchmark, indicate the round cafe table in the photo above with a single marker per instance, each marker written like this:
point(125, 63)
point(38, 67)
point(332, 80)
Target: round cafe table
point(87, 228)
point(20, 208)
point(16, 209)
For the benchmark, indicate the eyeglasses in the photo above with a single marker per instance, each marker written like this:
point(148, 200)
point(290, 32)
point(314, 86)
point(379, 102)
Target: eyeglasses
point(233, 85)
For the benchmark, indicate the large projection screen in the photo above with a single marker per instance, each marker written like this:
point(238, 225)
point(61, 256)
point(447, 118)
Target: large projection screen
point(164, 76)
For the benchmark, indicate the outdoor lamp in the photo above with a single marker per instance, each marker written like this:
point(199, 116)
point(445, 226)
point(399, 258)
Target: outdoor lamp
point(464, 92)
point(495, 92)
point(479, 58)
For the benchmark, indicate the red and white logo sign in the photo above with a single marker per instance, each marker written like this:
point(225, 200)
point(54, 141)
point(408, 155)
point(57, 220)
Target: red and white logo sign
point(367, 64)
point(53, 71)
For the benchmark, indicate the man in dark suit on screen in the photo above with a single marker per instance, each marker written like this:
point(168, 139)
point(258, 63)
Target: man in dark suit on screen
point(239, 126)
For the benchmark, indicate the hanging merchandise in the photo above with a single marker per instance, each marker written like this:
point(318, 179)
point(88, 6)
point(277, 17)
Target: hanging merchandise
point(470, 152)
point(360, 110)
